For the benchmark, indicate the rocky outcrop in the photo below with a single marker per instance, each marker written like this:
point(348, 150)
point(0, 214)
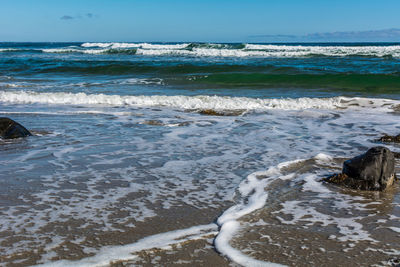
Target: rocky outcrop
point(390, 139)
point(10, 129)
point(373, 170)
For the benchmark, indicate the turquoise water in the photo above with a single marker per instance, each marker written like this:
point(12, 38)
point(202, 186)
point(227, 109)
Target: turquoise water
point(292, 70)
point(123, 150)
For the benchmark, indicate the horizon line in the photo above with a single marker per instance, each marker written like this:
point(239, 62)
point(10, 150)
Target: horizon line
point(217, 42)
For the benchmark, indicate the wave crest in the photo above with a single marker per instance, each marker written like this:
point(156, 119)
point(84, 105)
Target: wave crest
point(231, 50)
point(199, 102)
point(135, 45)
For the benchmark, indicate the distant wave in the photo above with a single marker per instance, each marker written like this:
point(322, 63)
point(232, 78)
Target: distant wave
point(279, 51)
point(136, 45)
point(252, 50)
point(74, 50)
point(18, 50)
point(130, 51)
point(215, 52)
point(193, 102)
point(9, 49)
point(224, 50)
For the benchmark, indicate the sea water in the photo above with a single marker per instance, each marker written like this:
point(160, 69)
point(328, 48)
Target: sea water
point(195, 153)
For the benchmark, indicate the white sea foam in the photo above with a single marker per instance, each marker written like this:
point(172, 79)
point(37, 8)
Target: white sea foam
point(273, 47)
point(222, 245)
point(135, 45)
point(220, 50)
point(109, 180)
point(194, 102)
point(9, 49)
point(97, 206)
point(75, 50)
point(250, 50)
point(103, 45)
point(350, 228)
point(124, 253)
point(253, 197)
point(162, 46)
point(287, 50)
point(278, 51)
point(255, 49)
point(253, 194)
point(148, 81)
point(395, 229)
point(63, 113)
point(303, 212)
point(207, 52)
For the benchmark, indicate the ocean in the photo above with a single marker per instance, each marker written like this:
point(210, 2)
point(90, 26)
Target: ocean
point(195, 154)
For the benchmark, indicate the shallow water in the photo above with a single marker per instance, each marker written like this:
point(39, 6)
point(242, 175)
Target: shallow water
point(125, 167)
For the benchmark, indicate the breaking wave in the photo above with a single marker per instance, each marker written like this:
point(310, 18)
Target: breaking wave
point(228, 50)
point(135, 45)
point(194, 102)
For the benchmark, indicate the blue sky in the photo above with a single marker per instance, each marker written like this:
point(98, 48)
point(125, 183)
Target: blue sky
point(206, 20)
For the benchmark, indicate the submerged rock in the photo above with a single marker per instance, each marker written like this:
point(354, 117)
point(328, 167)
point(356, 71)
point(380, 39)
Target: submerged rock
point(390, 139)
point(154, 122)
point(160, 123)
point(10, 129)
point(212, 112)
point(373, 170)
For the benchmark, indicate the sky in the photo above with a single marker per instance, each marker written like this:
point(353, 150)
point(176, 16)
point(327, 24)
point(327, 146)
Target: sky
point(201, 21)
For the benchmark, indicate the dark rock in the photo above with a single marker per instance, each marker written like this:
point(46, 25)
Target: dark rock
point(160, 123)
point(390, 139)
point(185, 123)
point(154, 122)
point(373, 170)
point(394, 262)
point(10, 129)
point(212, 112)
